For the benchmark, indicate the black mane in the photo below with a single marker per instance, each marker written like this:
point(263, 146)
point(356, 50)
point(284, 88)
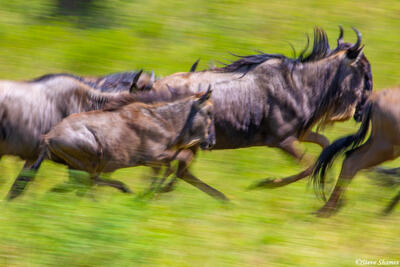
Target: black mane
point(320, 50)
point(115, 82)
point(50, 76)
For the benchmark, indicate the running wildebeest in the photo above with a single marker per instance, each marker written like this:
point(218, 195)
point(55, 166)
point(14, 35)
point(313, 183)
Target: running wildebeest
point(29, 109)
point(141, 134)
point(271, 100)
point(383, 114)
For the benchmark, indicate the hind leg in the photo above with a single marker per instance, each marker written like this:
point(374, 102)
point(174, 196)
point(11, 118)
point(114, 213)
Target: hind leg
point(26, 175)
point(392, 204)
point(370, 154)
point(113, 183)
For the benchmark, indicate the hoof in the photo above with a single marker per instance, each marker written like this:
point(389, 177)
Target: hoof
point(325, 212)
point(126, 190)
point(166, 189)
point(267, 183)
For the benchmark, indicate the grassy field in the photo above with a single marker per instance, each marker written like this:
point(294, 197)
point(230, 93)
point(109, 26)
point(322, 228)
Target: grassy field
point(186, 227)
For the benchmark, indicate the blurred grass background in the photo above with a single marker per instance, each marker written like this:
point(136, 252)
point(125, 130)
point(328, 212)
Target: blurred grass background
point(186, 227)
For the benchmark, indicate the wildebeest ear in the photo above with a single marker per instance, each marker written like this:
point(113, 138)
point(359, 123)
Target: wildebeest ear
point(194, 66)
point(205, 96)
point(152, 78)
point(135, 81)
point(356, 55)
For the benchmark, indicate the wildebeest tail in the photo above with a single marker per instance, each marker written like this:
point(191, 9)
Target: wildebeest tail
point(329, 154)
point(42, 156)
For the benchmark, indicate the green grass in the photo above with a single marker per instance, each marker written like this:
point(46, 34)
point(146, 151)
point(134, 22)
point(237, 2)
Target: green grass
point(186, 227)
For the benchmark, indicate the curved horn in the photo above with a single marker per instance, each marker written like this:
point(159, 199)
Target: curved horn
point(340, 39)
point(356, 46)
point(194, 66)
point(151, 82)
point(135, 80)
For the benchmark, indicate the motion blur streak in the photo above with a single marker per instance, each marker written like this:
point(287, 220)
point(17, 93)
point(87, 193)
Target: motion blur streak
point(103, 227)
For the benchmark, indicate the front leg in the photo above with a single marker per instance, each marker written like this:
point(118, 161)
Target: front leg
point(289, 147)
point(185, 157)
point(315, 138)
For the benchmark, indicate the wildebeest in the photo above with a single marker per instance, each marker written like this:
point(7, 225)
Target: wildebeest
point(383, 114)
point(30, 109)
point(140, 134)
point(271, 100)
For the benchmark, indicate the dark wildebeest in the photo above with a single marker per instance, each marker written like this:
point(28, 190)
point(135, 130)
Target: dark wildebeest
point(140, 134)
point(382, 111)
point(30, 109)
point(271, 100)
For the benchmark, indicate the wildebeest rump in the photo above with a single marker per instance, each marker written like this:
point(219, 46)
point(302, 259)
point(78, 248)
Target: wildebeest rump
point(271, 100)
point(383, 114)
point(140, 134)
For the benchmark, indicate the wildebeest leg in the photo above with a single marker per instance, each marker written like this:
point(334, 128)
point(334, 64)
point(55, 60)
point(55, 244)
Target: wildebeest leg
point(393, 171)
point(316, 138)
point(392, 204)
point(288, 147)
point(184, 158)
point(26, 175)
point(171, 185)
point(156, 184)
point(113, 183)
point(74, 182)
point(368, 155)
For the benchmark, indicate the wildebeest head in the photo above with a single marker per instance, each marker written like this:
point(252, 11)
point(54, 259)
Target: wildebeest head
point(199, 127)
point(353, 80)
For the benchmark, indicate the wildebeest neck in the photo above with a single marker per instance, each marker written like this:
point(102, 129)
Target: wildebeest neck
point(320, 85)
point(175, 116)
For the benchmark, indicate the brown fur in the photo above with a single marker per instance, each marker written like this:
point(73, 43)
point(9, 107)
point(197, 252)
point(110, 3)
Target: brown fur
point(382, 145)
point(140, 134)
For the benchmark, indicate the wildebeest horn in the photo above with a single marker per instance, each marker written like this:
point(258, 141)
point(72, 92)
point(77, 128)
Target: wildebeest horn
point(354, 51)
point(206, 95)
point(340, 39)
point(194, 66)
point(356, 46)
point(152, 80)
point(135, 81)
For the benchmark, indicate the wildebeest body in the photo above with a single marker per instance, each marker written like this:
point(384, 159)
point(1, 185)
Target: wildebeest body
point(271, 100)
point(135, 134)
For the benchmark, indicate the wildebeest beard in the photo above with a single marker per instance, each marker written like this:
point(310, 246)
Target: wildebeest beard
point(265, 98)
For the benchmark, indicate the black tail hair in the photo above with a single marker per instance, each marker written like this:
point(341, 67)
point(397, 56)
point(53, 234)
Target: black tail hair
point(42, 156)
point(329, 154)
